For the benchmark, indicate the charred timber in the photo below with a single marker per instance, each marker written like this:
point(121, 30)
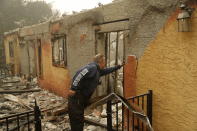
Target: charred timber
point(95, 123)
point(18, 91)
point(114, 21)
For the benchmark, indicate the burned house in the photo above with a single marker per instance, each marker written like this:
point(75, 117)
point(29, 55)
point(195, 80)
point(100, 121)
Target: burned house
point(160, 35)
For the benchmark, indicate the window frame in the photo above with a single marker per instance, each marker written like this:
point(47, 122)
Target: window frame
point(11, 49)
point(55, 38)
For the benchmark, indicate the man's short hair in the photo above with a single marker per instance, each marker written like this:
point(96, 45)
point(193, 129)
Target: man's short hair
point(97, 58)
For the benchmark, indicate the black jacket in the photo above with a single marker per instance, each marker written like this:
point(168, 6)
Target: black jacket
point(87, 78)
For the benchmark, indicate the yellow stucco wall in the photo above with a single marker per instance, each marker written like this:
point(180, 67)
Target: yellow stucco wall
point(55, 79)
point(169, 68)
point(6, 50)
point(12, 60)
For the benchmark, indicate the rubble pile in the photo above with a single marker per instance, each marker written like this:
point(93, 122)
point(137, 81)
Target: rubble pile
point(101, 117)
point(54, 108)
point(60, 122)
point(13, 103)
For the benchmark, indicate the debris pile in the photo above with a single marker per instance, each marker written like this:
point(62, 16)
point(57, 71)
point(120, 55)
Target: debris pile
point(95, 120)
point(18, 94)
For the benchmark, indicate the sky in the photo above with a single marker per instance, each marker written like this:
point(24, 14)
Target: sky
point(75, 5)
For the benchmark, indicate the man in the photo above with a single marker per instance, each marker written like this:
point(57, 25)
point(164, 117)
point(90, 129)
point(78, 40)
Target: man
point(83, 85)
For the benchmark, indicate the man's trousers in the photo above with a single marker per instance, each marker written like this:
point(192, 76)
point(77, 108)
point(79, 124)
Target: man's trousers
point(76, 106)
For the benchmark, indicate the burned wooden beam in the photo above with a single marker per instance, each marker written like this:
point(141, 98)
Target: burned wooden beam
point(114, 21)
point(13, 98)
point(10, 81)
point(18, 91)
point(9, 112)
point(95, 123)
point(60, 111)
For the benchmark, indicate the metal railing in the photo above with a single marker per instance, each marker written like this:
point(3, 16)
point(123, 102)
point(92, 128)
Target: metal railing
point(129, 121)
point(25, 119)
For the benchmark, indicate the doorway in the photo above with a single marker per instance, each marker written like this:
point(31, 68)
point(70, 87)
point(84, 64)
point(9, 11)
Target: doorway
point(39, 59)
point(115, 55)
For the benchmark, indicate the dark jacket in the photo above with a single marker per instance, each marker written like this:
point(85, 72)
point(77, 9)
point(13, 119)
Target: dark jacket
point(87, 78)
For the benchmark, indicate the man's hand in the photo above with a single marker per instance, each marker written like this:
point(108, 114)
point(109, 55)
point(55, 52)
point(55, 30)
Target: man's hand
point(123, 63)
point(71, 93)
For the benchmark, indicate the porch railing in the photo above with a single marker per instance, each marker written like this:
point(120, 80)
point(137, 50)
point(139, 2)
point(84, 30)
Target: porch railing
point(129, 121)
point(25, 119)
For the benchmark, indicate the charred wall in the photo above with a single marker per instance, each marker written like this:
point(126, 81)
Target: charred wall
point(11, 51)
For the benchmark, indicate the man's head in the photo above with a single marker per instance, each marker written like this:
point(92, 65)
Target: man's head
point(100, 60)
